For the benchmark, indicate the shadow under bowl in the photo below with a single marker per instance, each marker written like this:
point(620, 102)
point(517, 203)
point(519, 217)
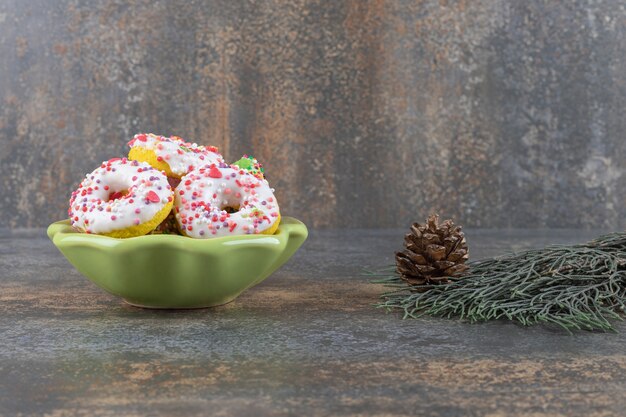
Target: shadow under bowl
point(171, 271)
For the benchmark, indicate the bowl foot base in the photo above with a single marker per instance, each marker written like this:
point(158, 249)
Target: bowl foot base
point(173, 308)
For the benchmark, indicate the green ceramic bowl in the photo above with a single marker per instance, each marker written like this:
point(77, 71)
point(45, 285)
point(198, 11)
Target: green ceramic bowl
point(168, 271)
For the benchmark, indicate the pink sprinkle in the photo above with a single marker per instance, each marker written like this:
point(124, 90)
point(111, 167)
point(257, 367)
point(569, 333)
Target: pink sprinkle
point(113, 217)
point(153, 197)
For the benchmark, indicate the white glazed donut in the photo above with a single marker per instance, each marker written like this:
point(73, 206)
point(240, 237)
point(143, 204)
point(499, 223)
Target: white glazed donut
point(173, 155)
point(121, 198)
point(203, 197)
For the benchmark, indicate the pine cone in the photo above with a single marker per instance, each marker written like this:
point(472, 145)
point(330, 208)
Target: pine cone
point(433, 253)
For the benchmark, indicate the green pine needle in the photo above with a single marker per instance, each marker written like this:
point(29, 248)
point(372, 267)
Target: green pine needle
point(580, 287)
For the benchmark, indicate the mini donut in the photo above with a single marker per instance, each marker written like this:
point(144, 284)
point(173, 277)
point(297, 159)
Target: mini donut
point(215, 201)
point(121, 198)
point(172, 155)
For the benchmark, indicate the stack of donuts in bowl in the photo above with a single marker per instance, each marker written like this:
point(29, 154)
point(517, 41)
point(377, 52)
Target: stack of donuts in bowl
point(167, 185)
point(172, 225)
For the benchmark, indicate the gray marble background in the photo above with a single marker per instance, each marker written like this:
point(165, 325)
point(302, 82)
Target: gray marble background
point(365, 113)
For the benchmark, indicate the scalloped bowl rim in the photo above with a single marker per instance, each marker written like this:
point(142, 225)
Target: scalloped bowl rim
point(62, 231)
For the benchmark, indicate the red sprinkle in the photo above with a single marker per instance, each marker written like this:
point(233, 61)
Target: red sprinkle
point(214, 172)
point(153, 197)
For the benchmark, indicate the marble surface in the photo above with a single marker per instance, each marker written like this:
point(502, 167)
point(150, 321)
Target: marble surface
point(307, 341)
point(366, 113)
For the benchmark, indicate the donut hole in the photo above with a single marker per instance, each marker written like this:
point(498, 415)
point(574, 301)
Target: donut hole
point(230, 203)
point(116, 195)
point(230, 209)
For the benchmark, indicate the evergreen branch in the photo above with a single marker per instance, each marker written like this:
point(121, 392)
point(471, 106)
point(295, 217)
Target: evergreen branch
point(574, 287)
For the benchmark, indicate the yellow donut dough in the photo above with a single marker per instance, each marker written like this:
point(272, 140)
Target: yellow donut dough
point(144, 228)
point(150, 157)
point(273, 228)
